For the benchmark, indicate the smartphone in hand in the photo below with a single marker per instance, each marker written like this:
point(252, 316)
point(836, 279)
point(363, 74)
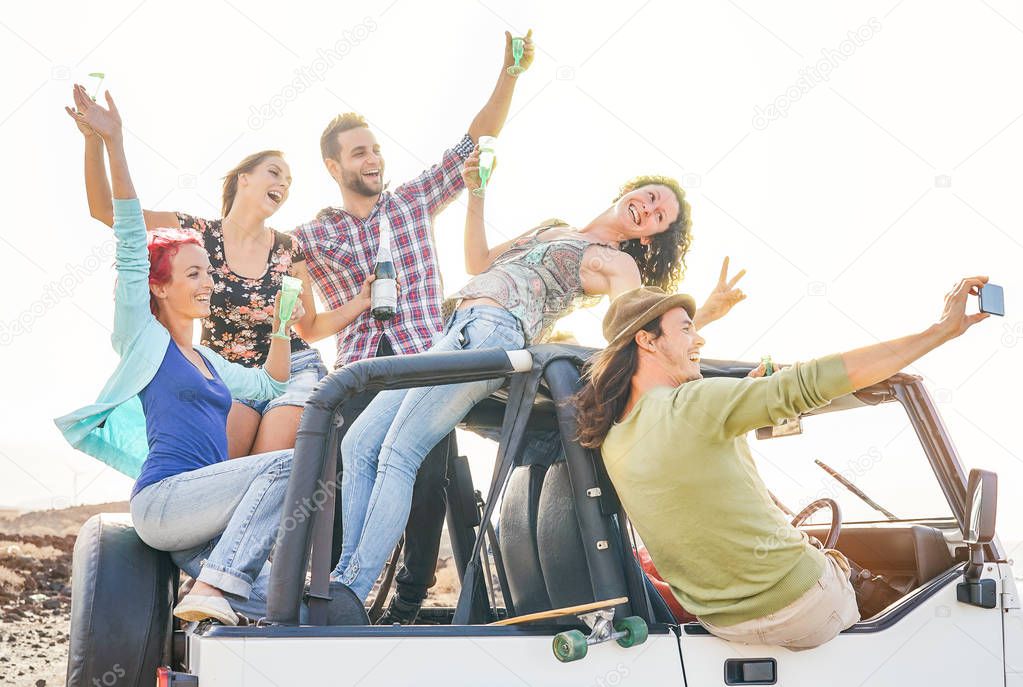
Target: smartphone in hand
point(992, 300)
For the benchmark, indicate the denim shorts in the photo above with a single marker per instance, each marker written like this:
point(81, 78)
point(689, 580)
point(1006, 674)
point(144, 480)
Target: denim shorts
point(307, 368)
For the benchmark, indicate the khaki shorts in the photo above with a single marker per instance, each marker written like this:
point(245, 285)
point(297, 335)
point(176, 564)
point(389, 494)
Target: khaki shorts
point(824, 610)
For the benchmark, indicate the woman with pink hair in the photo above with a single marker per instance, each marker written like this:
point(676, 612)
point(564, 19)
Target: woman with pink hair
point(249, 260)
point(163, 413)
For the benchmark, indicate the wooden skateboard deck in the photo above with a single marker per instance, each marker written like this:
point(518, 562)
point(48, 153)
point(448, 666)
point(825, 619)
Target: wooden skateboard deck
point(559, 612)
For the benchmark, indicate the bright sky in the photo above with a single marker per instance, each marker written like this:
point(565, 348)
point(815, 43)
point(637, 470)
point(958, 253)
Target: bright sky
point(886, 169)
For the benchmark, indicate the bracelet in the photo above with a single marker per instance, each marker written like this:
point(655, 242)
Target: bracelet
point(275, 335)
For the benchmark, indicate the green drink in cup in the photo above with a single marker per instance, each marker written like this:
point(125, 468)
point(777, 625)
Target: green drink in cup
point(488, 157)
point(291, 287)
point(100, 76)
point(518, 48)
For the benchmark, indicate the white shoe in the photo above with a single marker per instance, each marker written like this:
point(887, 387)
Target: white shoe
point(196, 607)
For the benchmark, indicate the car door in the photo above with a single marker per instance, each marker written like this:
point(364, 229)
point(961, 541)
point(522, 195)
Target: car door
point(929, 638)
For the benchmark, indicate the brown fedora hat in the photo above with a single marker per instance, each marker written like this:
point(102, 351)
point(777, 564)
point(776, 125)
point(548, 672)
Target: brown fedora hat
point(634, 309)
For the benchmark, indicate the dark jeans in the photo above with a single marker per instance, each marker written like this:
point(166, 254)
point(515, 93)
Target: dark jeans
point(429, 503)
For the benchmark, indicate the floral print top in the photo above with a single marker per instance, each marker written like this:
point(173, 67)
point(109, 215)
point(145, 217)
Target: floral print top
point(242, 309)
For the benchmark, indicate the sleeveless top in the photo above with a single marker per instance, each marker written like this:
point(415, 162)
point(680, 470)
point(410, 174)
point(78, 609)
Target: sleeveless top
point(242, 309)
point(536, 281)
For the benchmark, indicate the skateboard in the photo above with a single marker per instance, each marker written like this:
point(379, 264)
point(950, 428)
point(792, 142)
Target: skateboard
point(572, 645)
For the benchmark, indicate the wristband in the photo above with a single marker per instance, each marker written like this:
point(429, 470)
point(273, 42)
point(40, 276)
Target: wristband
point(275, 335)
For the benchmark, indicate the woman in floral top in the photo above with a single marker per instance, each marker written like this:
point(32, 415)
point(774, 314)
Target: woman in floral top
point(249, 260)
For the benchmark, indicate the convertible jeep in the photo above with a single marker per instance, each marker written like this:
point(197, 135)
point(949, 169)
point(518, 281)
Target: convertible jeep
point(555, 587)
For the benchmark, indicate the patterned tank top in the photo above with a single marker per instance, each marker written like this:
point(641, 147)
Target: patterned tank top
point(536, 281)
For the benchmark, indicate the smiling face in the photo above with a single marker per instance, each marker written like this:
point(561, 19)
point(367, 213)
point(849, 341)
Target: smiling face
point(677, 350)
point(266, 187)
point(187, 294)
point(360, 166)
point(646, 212)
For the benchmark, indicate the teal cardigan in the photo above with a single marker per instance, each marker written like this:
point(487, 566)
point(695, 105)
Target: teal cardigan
point(113, 429)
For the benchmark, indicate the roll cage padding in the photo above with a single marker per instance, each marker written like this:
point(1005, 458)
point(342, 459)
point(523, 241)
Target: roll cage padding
point(313, 462)
point(316, 448)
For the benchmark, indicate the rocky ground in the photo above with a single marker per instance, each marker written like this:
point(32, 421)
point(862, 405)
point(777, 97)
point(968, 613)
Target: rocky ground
point(35, 591)
point(35, 606)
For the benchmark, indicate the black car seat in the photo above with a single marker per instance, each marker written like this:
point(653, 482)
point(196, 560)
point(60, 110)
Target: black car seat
point(517, 536)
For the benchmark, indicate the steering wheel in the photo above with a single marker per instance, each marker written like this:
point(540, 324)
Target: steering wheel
point(836, 519)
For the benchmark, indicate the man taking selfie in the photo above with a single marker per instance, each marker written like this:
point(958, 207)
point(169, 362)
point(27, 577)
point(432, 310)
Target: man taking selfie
point(675, 448)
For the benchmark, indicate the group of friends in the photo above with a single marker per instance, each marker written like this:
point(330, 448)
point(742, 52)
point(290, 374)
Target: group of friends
point(209, 430)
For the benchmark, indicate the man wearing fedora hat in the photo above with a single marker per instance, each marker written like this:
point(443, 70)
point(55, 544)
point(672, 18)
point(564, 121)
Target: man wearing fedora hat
point(675, 448)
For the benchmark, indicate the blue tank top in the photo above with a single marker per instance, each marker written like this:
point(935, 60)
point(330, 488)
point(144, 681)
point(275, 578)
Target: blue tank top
point(186, 419)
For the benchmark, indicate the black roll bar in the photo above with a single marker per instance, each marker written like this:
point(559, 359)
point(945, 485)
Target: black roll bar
point(318, 430)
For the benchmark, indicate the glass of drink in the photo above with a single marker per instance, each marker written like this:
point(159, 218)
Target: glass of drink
point(488, 144)
point(291, 287)
point(768, 365)
point(100, 76)
point(518, 48)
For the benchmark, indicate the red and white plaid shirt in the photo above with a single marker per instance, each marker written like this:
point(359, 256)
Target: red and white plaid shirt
point(341, 248)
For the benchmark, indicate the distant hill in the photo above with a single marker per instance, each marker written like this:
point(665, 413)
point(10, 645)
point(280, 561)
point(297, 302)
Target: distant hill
point(56, 522)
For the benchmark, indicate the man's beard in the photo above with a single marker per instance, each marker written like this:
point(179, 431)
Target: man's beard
point(353, 181)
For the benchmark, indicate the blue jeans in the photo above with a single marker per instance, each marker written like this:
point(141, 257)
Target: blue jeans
point(307, 369)
point(385, 446)
point(219, 523)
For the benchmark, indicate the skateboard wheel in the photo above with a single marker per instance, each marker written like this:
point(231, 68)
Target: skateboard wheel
point(635, 630)
point(569, 646)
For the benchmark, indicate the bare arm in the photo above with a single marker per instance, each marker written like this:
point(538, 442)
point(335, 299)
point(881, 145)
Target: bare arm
point(872, 364)
point(478, 253)
point(607, 271)
point(491, 118)
point(319, 325)
point(97, 186)
point(278, 359)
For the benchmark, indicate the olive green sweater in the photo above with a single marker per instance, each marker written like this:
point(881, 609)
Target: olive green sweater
point(682, 467)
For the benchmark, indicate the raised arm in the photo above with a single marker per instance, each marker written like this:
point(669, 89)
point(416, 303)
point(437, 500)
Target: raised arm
point(872, 364)
point(97, 186)
point(491, 118)
point(478, 253)
point(131, 292)
point(731, 407)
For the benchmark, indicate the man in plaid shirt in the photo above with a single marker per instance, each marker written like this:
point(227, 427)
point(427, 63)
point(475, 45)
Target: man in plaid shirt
point(341, 246)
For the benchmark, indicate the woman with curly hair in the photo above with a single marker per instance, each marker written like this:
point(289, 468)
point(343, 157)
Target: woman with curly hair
point(520, 289)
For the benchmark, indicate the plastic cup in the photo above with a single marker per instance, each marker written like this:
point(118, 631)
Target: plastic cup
point(488, 157)
point(100, 76)
point(518, 48)
point(291, 287)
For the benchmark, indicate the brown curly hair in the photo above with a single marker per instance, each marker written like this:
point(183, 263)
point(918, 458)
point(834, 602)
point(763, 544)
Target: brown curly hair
point(663, 262)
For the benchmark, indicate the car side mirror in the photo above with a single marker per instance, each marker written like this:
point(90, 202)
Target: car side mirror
point(982, 491)
point(981, 508)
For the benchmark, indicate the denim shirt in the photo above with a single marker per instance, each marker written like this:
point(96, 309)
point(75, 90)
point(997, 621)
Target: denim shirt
point(113, 429)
